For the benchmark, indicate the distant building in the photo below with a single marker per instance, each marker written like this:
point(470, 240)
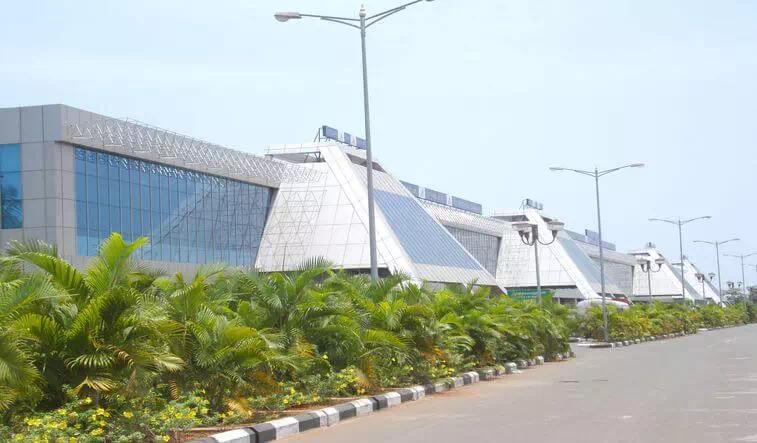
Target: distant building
point(566, 268)
point(666, 282)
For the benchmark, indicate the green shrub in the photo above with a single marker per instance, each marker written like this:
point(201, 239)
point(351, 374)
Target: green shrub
point(640, 321)
point(119, 350)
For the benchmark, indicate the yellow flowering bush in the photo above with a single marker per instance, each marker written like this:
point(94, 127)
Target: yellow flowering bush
point(146, 418)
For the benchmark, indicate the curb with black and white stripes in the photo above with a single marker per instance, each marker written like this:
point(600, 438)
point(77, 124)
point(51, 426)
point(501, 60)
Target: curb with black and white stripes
point(619, 344)
point(322, 418)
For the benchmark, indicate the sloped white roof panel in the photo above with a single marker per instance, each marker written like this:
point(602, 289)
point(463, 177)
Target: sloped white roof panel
point(329, 218)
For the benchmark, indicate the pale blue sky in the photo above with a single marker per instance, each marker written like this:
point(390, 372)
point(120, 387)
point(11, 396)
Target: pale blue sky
point(476, 99)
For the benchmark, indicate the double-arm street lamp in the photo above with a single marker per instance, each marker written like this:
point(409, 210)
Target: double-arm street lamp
point(743, 276)
point(717, 255)
point(679, 222)
point(596, 174)
point(529, 235)
point(362, 23)
point(646, 266)
point(702, 279)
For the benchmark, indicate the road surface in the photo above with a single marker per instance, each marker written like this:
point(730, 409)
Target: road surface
point(700, 388)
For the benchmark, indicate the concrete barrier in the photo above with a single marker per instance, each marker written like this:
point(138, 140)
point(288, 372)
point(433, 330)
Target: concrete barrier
point(321, 418)
point(486, 374)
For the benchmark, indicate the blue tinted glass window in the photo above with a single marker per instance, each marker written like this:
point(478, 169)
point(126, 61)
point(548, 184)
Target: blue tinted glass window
point(422, 238)
point(10, 158)
point(484, 247)
point(80, 160)
point(11, 185)
point(188, 217)
point(81, 187)
point(115, 218)
point(11, 212)
point(91, 193)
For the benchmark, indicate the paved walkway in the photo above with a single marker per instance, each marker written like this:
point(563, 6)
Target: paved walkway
point(700, 388)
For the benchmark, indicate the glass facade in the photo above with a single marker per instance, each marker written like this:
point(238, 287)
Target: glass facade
point(484, 247)
point(12, 211)
point(620, 273)
point(422, 238)
point(189, 217)
point(585, 265)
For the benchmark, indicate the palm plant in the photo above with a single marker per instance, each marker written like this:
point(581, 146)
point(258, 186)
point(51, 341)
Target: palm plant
point(304, 313)
point(222, 354)
point(107, 334)
point(469, 306)
point(21, 297)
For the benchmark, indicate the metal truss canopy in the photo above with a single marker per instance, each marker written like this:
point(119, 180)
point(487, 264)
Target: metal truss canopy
point(462, 219)
point(141, 140)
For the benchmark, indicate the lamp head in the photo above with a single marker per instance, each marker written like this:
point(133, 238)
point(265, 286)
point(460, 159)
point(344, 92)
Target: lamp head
point(660, 261)
point(286, 16)
point(555, 226)
point(523, 227)
point(636, 165)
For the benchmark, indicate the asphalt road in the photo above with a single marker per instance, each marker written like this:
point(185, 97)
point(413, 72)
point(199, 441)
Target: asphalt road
point(700, 388)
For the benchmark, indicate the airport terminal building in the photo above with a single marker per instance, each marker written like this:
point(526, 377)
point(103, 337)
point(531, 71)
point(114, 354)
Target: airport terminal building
point(71, 177)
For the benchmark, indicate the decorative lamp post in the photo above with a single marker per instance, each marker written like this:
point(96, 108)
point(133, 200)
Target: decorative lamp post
point(646, 267)
point(702, 279)
point(529, 235)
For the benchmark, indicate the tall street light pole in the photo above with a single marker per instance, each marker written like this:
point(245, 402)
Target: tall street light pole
point(743, 275)
point(362, 23)
point(717, 255)
point(529, 235)
point(680, 222)
point(596, 174)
